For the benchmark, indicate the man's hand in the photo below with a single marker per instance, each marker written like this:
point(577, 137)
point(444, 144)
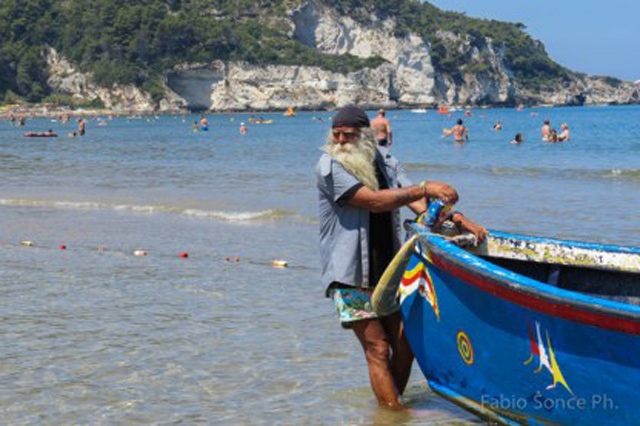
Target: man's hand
point(441, 190)
point(465, 225)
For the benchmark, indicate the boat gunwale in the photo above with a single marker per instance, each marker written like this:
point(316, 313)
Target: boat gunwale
point(528, 292)
point(574, 243)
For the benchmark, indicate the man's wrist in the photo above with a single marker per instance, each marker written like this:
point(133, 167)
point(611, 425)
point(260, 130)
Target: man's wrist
point(423, 188)
point(456, 217)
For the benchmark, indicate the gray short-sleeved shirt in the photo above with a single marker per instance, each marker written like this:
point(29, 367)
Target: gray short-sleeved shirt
point(344, 229)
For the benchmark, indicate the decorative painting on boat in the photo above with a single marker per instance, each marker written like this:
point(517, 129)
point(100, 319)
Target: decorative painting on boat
point(546, 360)
point(417, 277)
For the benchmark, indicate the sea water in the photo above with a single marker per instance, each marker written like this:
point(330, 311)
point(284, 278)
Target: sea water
point(92, 334)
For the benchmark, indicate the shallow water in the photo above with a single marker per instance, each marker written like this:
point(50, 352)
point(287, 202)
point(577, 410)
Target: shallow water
point(95, 335)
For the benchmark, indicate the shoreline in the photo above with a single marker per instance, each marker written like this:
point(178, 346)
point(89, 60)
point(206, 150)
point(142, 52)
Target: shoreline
point(55, 111)
point(58, 111)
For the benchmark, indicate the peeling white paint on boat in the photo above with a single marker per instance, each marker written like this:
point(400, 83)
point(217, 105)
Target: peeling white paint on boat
point(548, 251)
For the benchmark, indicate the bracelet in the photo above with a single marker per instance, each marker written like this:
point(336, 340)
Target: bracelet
point(423, 188)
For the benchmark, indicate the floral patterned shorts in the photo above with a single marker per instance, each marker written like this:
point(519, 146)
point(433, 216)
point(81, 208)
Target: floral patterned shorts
point(352, 304)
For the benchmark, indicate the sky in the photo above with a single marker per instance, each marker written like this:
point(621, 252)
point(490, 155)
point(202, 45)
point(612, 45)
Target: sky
point(593, 37)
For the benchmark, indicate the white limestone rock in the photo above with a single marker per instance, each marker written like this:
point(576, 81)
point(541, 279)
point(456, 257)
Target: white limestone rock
point(412, 79)
point(64, 78)
point(247, 87)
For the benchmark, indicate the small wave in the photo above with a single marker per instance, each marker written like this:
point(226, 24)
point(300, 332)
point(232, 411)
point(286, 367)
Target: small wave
point(271, 214)
point(630, 174)
point(528, 171)
point(73, 205)
point(411, 167)
point(142, 209)
point(26, 203)
point(77, 205)
point(622, 173)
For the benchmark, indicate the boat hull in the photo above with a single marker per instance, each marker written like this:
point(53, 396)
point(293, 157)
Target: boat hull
point(509, 349)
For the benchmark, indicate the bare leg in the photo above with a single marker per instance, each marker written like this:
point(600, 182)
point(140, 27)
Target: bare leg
point(401, 355)
point(377, 350)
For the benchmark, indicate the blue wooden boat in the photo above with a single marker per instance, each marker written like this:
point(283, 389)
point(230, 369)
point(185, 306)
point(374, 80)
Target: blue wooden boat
point(527, 330)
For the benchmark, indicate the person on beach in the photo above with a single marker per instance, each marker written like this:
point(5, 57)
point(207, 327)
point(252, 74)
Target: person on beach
point(382, 127)
point(564, 134)
point(361, 189)
point(545, 130)
point(459, 131)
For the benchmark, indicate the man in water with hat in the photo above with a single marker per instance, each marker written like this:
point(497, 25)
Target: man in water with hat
point(362, 188)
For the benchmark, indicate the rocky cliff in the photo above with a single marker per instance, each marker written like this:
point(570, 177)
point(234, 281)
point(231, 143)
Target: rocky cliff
point(406, 79)
point(64, 78)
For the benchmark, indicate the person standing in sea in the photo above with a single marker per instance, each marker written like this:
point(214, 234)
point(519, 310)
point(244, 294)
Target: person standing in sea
point(204, 123)
point(545, 131)
point(361, 189)
point(459, 131)
point(564, 134)
point(382, 127)
point(81, 126)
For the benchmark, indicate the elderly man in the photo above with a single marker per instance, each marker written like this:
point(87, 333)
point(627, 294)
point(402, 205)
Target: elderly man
point(361, 188)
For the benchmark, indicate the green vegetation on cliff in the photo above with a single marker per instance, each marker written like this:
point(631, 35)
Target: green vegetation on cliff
point(120, 41)
point(526, 57)
point(134, 42)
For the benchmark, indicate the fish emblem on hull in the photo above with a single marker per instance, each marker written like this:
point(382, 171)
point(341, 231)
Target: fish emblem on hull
point(546, 357)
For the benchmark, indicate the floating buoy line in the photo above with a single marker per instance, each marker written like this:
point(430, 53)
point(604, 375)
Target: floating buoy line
point(143, 252)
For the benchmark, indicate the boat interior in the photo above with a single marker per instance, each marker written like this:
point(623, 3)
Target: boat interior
point(621, 286)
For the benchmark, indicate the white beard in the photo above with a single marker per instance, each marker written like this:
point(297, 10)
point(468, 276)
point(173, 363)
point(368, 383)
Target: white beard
point(357, 158)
